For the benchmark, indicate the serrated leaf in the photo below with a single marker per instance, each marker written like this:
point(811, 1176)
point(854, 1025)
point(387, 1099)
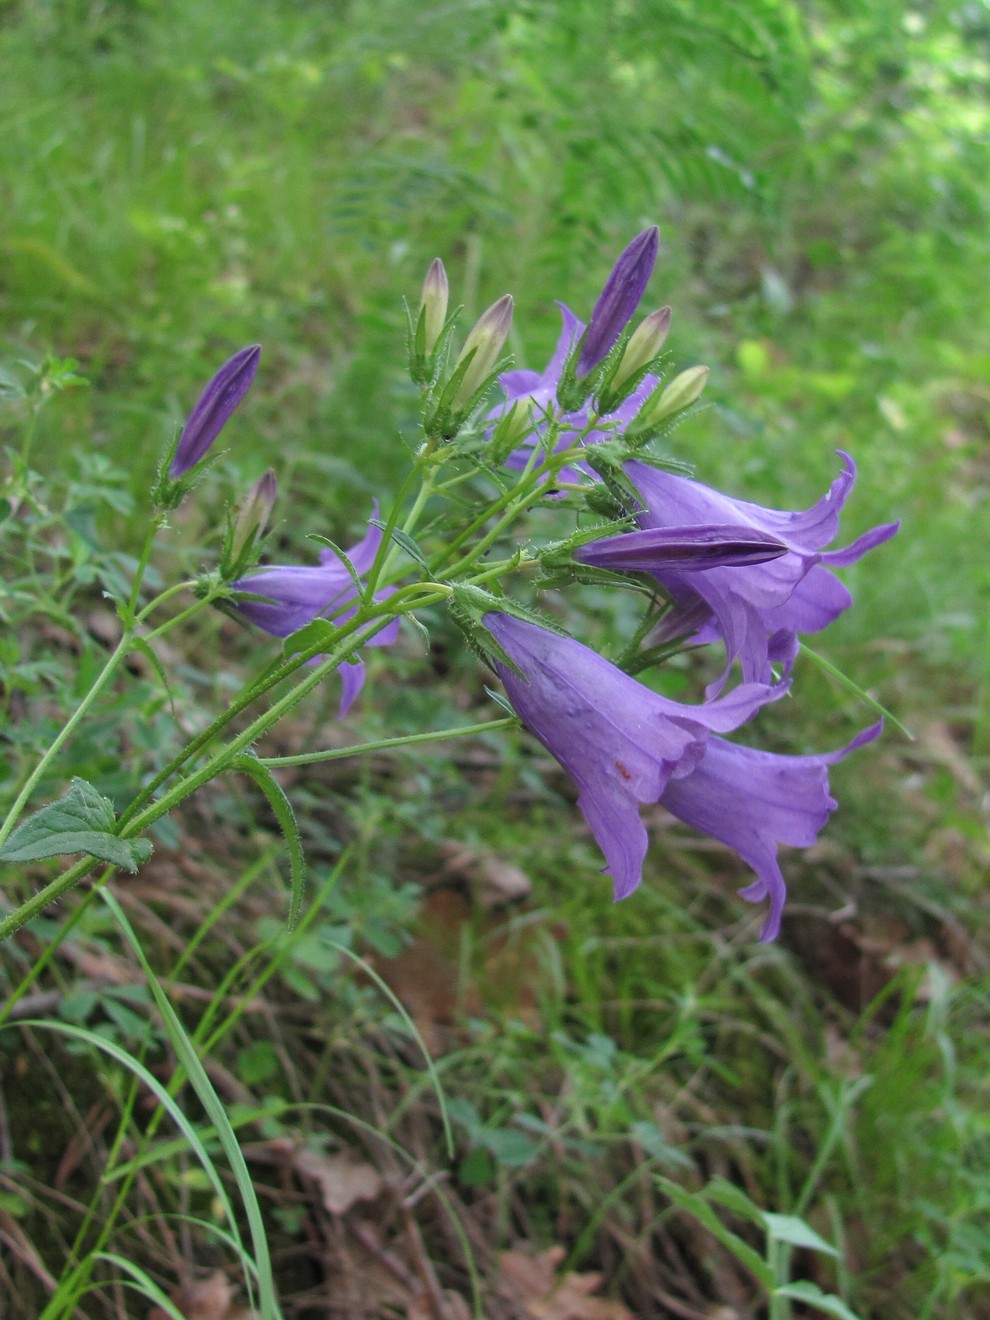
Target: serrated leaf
point(81, 822)
point(788, 1228)
point(813, 1296)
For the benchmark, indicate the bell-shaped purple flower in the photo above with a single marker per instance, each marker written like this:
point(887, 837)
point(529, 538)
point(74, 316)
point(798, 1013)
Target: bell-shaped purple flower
point(753, 801)
point(624, 745)
point(296, 594)
point(756, 611)
point(214, 408)
point(619, 299)
point(620, 742)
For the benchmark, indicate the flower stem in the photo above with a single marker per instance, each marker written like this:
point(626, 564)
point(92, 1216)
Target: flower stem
point(50, 894)
point(386, 744)
point(74, 720)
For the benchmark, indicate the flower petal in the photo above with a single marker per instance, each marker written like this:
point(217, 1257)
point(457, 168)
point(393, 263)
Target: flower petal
point(752, 801)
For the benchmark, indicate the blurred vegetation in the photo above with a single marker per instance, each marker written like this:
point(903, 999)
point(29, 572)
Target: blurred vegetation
point(180, 179)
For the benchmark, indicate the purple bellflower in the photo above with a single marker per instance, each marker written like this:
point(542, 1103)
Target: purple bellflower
point(756, 610)
point(539, 389)
point(753, 801)
point(624, 745)
point(296, 594)
point(214, 408)
point(619, 299)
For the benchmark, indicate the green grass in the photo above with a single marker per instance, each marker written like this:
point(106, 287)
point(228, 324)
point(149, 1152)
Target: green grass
point(180, 180)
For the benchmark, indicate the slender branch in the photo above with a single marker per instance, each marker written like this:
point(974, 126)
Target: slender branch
point(386, 744)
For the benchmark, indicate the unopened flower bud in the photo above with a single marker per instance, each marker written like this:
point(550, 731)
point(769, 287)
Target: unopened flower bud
point(214, 408)
point(619, 299)
point(433, 305)
point(644, 344)
point(482, 349)
point(511, 429)
point(679, 394)
point(256, 509)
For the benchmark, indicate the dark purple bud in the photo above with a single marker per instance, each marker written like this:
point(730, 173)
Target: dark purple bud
point(619, 299)
point(682, 548)
point(211, 414)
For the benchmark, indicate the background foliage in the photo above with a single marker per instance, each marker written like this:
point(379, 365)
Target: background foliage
point(181, 179)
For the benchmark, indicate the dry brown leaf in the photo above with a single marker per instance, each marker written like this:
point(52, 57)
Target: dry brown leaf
point(341, 1179)
point(533, 1282)
point(494, 880)
point(209, 1300)
point(448, 1306)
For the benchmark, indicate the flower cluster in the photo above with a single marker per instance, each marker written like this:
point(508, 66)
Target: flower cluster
point(750, 578)
point(717, 570)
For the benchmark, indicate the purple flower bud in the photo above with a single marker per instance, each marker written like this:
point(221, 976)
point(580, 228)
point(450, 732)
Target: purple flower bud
point(433, 302)
point(486, 341)
point(682, 549)
point(211, 414)
point(619, 299)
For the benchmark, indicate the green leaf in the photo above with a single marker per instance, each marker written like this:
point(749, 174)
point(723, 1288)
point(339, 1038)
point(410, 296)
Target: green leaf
point(788, 1228)
point(813, 1295)
point(81, 822)
point(697, 1206)
point(734, 1199)
point(318, 632)
point(844, 681)
point(139, 644)
point(281, 806)
point(405, 542)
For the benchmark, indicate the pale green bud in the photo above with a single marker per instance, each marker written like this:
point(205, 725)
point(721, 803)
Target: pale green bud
point(511, 429)
point(644, 344)
point(433, 304)
point(248, 526)
point(682, 391)
point(485, 343)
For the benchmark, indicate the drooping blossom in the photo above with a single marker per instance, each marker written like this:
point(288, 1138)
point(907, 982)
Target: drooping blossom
point(756, 611)
point(625, 745)
point(214, 408)
point(753, 801)
point(296, 594)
